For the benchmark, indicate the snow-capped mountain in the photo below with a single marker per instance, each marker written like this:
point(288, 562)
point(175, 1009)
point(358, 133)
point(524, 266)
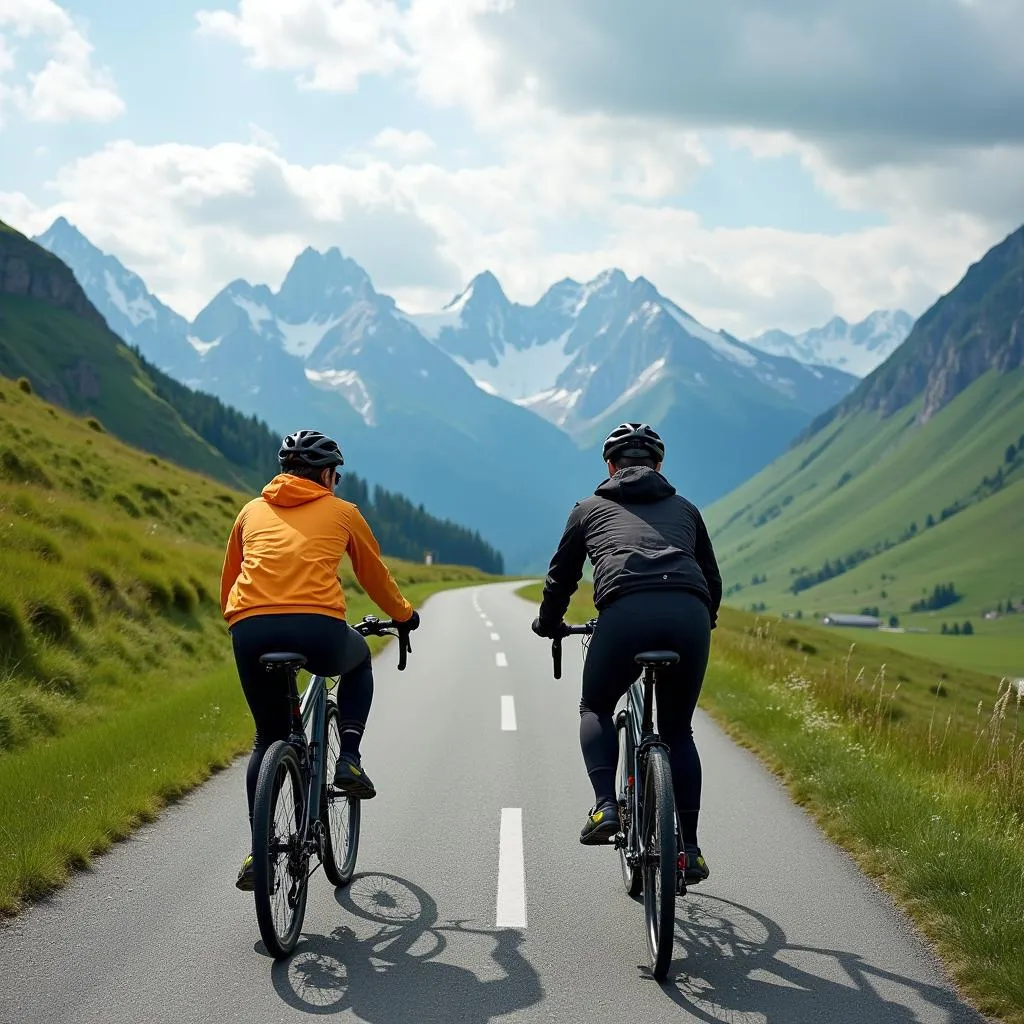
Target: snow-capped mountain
point(591, 354)
point(856, 348)
point(130, 309)
point(586, 349)
point(478, 410)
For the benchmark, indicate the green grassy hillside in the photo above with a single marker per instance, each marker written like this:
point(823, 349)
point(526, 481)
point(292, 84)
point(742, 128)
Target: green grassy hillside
point(866, 487)
point(117, 688)
point(81, 366)
point(912, 483)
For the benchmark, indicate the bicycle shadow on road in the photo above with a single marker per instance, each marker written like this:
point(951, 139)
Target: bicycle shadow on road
point(733, 963)
point(387, 966)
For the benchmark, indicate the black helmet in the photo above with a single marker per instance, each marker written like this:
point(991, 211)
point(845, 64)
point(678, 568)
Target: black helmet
point(633, 440)
point(311, 448)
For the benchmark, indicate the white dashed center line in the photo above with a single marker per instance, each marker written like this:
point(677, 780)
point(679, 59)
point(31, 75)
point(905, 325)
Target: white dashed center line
point(488, 623)
point(494, 636)
point(508, 714)
point(511, 903)
point(500, 660)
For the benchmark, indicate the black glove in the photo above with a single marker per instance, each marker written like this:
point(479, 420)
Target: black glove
point(547, 629)
point(411, 623)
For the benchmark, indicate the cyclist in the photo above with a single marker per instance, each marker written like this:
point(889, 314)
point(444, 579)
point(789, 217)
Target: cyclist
point(280, 591)
point(656, 586)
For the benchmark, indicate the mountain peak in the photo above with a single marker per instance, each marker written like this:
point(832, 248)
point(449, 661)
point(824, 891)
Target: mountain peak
point(610, 278)
point(321, 283)
point(62, 234)
point(484, 290)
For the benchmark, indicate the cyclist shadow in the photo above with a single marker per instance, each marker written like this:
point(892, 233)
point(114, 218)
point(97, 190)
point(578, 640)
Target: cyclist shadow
point(738, 965)
point(390, 969)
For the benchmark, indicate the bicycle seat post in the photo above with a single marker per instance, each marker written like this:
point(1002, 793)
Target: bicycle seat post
point(647, 726)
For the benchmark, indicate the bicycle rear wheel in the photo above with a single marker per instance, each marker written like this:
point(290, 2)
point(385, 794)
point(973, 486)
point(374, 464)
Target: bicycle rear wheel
point(339, 814)
point(280, 868)
point(658, 849)
point(625, 790)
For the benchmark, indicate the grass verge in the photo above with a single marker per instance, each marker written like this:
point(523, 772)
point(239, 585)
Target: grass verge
point(930, 804)
point(117, 684)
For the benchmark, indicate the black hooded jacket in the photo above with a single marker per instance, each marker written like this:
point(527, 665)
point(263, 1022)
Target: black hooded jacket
point(640, 535)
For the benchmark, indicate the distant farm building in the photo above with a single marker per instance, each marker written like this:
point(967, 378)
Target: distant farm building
point(860, 621)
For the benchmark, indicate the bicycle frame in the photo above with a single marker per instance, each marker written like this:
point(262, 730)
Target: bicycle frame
point(640, 722)
point(307, 736)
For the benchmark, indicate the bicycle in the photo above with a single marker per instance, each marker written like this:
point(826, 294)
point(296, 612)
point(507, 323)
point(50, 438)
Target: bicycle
point(297, 775)
point(651, 856)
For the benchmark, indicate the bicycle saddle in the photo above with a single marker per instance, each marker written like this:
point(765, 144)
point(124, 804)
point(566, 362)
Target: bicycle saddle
point(657, 658)
point(282, 660)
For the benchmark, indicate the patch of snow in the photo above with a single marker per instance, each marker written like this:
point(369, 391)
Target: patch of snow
point(554, 405)
point(135, 310)
point(521, 373)
point(589, 290)
point(350, 385)
point(717, 341)
point(258, 314)
point(484, 386)
point(202, 347)
point(301, 339)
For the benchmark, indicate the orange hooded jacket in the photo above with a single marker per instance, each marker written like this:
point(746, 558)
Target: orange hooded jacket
point(284, 551)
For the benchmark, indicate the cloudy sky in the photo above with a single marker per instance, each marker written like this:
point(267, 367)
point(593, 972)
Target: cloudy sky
point(767, 163)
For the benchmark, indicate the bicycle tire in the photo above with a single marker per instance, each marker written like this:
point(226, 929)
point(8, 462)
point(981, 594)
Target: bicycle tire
point(632, 877)
point(341, 844)
point(658, 846)
point(273, 866)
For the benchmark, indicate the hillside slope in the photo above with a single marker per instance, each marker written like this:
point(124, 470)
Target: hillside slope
point(115, 664)
point(51, 334)
point(915, 480)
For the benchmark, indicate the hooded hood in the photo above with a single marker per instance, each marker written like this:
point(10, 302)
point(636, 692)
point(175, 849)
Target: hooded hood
point(636, 485)
point(289, 491)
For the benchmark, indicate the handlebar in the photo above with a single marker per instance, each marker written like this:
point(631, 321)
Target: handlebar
point(372, 626)
point(585, 629)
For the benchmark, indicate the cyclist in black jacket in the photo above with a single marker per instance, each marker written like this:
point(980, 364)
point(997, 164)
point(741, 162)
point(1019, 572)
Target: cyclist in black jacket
point(656, 586)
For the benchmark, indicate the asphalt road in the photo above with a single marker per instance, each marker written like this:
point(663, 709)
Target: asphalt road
point(473, 898)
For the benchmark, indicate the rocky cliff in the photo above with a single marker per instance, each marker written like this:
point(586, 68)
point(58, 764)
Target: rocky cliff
point(28, 270)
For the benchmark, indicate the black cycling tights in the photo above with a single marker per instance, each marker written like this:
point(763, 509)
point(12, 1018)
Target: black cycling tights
point(645, 621)
point(331, 647)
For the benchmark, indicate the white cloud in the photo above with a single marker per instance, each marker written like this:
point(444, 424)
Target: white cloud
point(335, 41)
point(68, 86)
point(599, 118)
point(403, 144)
point(892, 108)
point(189, 219)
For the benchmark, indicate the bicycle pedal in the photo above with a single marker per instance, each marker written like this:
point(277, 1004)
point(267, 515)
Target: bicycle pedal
point(618, 840)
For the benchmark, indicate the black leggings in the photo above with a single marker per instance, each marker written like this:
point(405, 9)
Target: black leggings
point(331, 647)
point(643, 621)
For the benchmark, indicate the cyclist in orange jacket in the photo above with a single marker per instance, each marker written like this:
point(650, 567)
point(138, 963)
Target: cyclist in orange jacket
point(280, 592)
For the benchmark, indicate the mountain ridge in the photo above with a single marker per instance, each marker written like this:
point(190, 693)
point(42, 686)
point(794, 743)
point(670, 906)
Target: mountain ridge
point(915, 480)
point(857, 348)
point(407, 393)
point(52, 334)
point(975, 326)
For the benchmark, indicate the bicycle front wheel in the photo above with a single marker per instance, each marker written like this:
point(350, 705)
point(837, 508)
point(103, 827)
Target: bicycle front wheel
point(658, 850)
point(280, 866)
point(339, 814)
